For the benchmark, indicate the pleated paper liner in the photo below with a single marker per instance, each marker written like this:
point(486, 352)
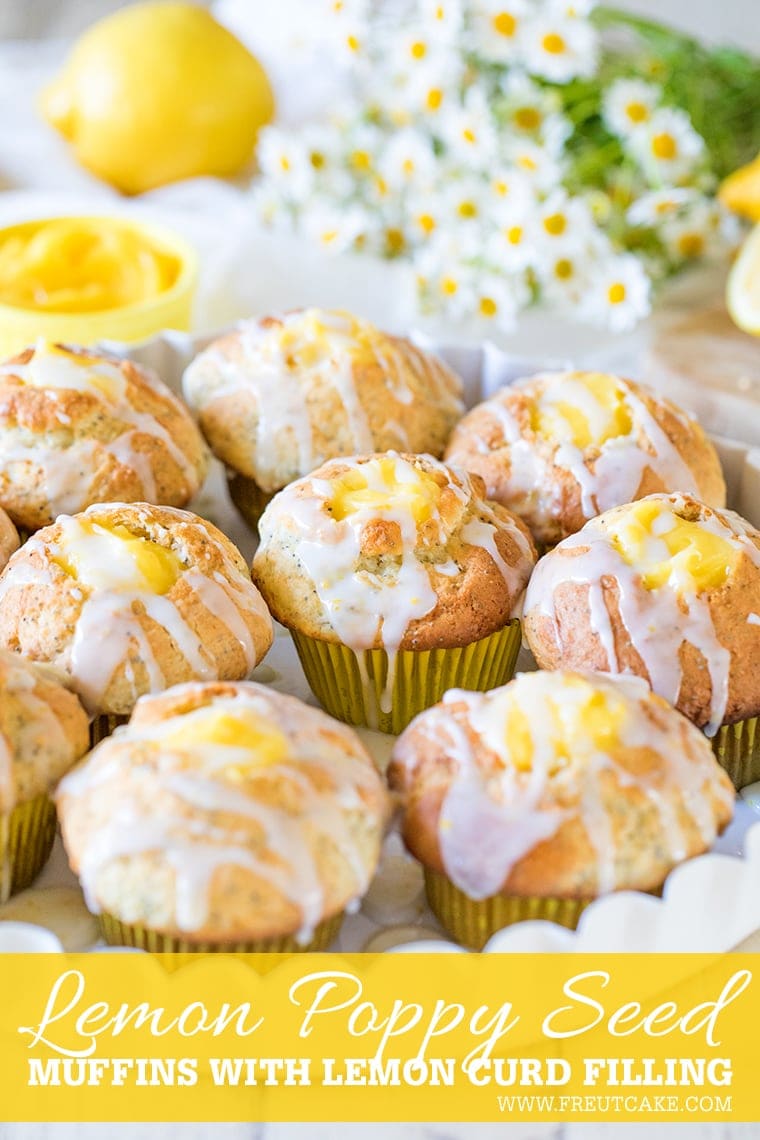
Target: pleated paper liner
point(250, 500)
point(737, 748)
point(118, 933)
point(471, 922)
point(26, 840)
point(352, 685)
point(103, 726)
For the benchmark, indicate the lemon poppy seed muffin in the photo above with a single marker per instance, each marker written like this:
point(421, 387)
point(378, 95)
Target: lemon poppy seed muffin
point(9, 539)
point(396, 579)
point(43, 732)
point(281, 395)
point(536, 798)
point(561, 447)
point(669, 589)
point(126, 599)
point(78, 427)
point(224, 816)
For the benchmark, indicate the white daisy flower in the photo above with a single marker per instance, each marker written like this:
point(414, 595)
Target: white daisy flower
point(563, 222)
point(667, 146)
point(511, 192)
point(424, 218)
point(469, 130)
point(656, 206)
point(560, 48)
point(407, 159)
point(512, 243)
point(618, 295)
point(527, 105)
point(428, 89)
point(628, 104)
point(443, 17)
point(496, 302)
point(537, 164)
point(465, 200)
point(284, 157)
point(446, 277)
point(563, 278)
point(335, 228)
point(496, 28)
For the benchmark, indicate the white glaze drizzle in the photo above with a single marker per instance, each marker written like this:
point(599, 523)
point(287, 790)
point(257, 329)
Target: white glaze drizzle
point(67, 469)
point(363, 607)
point(279, 387)
point(108, 631)
point(194, 774)
point(512, 812)
point(613, 476)
point(657, 620)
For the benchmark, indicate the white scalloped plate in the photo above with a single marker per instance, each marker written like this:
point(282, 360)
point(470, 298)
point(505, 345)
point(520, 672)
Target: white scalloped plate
point(709, 904)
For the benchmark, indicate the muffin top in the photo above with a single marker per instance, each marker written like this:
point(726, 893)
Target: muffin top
point(561, 447)
point(9, 540)
point(557, 784)
point(128, 599)
point(391, 551)
point(43, 731)
point(225, 812)
point(281, 395)
point(78, 426)
point(666, 588)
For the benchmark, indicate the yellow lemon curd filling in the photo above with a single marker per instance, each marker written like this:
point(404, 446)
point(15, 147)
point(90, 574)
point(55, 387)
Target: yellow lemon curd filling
point(82, 265)
point(382, 484)
point(112, 558)
point(581, 721)
point(667, 549)
point(242, 729)
point(586, 409)
point(54, 366)
point(307, 339)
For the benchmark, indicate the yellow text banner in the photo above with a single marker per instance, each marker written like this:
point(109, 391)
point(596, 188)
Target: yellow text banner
point(379, 1037)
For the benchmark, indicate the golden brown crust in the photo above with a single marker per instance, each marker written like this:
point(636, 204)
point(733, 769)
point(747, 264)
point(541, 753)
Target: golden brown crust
point(43, 731)
point(306, 825)
point(534, 480)
point(627, 828)
point(64, 448)
point(473, 597)
point(9, 539)
point(218, 611)
point(274, 419)
point(566, 638)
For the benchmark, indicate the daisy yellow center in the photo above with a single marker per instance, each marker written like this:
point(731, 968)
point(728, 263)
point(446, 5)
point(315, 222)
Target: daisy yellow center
point(104, 557)
point(395, 240)
point(664, 146)
point(449, 286)
point(353, 43)
point(586, 409)
point(527, 118)
point(637, 112)
point(467, 210)
point(691, 245)
point(504, 24)
point(555, 224)
point(361, 160)
point(564, 269)
point(616, 293)
point(426, 222)
point(553, 43)
point(385, 483)
point(488, 307)
point(434, 98)
point(666, 548)
point(514, 235)
point(418, 50)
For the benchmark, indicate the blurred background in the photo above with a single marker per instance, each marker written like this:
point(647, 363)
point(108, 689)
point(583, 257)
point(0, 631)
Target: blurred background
point(732, 21)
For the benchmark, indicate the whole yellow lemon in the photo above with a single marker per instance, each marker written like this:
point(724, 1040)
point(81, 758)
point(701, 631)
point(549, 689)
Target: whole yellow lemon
point(157, 92)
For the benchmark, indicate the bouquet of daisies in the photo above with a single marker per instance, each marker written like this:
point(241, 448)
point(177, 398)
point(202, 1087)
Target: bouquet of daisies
point(518, 151)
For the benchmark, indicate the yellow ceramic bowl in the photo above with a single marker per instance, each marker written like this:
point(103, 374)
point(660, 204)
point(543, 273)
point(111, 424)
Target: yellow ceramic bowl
point(143, 316)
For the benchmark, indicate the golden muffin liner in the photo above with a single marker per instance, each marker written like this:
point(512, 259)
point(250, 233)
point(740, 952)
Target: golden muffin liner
point(103, 726)
point(26, 840)
point(117, 933)
point(351, 684)
point(249, 498)
point(471, 922)
point(737, 749)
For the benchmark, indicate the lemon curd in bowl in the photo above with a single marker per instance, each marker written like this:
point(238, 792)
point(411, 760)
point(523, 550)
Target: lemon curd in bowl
point(84, 279)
